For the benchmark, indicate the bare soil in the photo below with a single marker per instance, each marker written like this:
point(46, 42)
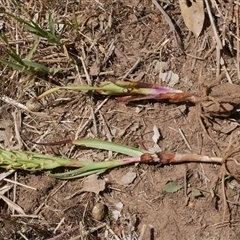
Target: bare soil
point(122, 40)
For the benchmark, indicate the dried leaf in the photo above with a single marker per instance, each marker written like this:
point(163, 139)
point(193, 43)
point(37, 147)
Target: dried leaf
point(5, 189)
point(172, 187)
point(12, 204)
point(193, 15)
point(93, 184)
point(156, 134)
point(196, 193)
point(170, 77)
point(117, 212)
point(5, 174)
point(128, 178)
point(94, 69)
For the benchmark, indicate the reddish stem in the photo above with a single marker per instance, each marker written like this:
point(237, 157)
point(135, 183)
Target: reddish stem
point(179, 97)
point(167, 158)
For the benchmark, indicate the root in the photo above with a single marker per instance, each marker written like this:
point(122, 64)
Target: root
point(200, 119)
point(225, 205)
point(228, 157)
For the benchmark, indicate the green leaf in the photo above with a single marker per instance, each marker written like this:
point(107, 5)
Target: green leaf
point(110, 146)
point(4, 38)
point(20, 20)
point(16, 58)
point(13, 65)
point(196, 192)
point(51, 24)
point(33, 49)
point(37, 66)
point(36, 29)
point(172, 187)
point(56, 70)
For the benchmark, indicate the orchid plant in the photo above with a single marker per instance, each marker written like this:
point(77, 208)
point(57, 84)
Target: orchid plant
point(32, 161)
point(127, 91)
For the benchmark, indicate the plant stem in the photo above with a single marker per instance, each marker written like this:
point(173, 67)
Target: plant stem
point(172, 158)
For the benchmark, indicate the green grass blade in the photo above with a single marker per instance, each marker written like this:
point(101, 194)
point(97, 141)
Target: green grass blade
point(32, 27)
point(4, 38)
point(13, 65)
point(20, 20)
point(16, 58)
point(37, 66)
point(36, 29)
point(73, 88)
point(51, 24)
point(32, 50)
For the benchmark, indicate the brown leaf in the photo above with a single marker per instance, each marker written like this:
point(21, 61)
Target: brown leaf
point(193, 15)
point(93, 184)
point(128, 178)
point(94, 69)
point(12, 204)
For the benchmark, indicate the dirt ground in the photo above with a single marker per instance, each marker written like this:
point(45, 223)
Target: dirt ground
point(121, 40)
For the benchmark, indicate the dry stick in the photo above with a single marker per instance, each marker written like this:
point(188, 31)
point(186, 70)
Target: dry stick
point(18, 183)
point(19, 105)
point(109, 53)
point(142, 232)
point(225, 69)
point(14, 190)
point(131, 69)
point(59, 225)
point(17, 124)
point(90, 117)
point(61, 235)
point(195, 57)
point(14, 103)
point(112, 232)
point(224, 21)
point(183, 136)
point(3, 175)
point(108, 133)
point(106, 128)
point(14, 42)
point(51, 194)
point(224, 192)
point(169, 21)
point(100, 74)
point(89, 80)
point(217, 38)
point(95, 129)
point(86, 72)
point(237, 14)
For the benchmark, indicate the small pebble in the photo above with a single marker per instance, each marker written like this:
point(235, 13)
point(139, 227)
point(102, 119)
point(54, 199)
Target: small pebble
point(99, 211)
point(33, 105)
point(191, 205)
